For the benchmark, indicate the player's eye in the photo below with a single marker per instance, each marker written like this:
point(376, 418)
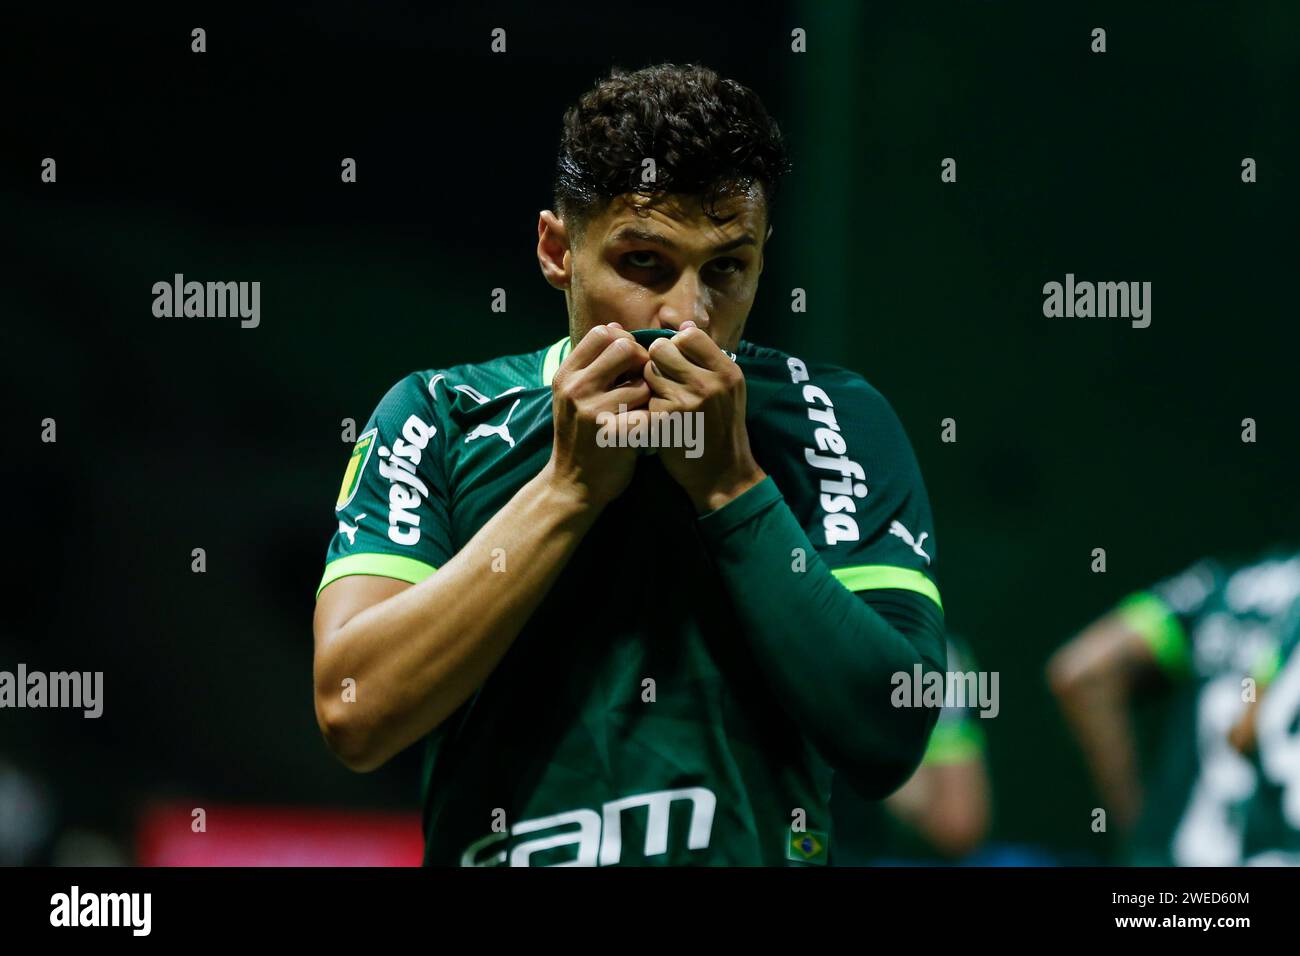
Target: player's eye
point(729, 266)
point(647, 260)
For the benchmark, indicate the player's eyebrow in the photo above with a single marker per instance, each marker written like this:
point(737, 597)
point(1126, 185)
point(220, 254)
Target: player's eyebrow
point(635, 234)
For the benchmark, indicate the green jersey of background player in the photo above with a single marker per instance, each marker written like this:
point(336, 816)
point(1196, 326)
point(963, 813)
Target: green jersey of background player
point(620, 658)
point(1201, 634)
point(1269, 735)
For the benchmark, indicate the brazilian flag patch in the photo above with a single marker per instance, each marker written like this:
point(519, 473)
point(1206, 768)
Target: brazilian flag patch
point(356, 465)
point(807, 847)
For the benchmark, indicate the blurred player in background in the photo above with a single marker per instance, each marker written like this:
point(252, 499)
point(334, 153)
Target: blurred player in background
point(1269, 736)
point(942, 813)
point(1190, 642)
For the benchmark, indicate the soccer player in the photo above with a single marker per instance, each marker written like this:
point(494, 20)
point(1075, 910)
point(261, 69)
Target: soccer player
point(942, 813)
point(1198, 635)
point(615, 657)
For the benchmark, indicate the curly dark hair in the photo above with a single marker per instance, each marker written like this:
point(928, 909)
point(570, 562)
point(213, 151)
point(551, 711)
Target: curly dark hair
point(707, 135)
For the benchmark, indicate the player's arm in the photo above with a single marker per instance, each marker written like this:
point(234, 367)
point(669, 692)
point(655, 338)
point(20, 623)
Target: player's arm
point(418, 651)
point(829, 656)
point(1243, 736)
point(947, 805)
point(1095, 678)
point(947, 801)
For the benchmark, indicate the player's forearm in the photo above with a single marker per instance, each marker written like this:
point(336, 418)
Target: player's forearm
point(1097, 708)
point(420, 654)
point(829, 658)
point(948, 808)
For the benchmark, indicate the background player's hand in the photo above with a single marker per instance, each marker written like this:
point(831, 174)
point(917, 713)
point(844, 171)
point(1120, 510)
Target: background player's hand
point(603, 371)
point(689, 373)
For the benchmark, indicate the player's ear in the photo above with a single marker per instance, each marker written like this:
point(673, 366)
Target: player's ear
point(553, 248)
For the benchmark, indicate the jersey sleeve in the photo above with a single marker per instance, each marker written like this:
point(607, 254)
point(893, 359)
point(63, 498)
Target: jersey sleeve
point(813, 444)
point(1163, 614)
point(853, 482)
point(392, 508)
point(1272, 659)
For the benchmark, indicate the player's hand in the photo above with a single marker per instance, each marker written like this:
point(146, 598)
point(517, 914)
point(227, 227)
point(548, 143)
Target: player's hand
point(689, 373)
point(602, 372)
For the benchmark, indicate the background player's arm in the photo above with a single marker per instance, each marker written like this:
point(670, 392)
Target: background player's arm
point(1242, 735)
point(1094, 678)
point(947, 804)
point(417, 652)
point(947, 801)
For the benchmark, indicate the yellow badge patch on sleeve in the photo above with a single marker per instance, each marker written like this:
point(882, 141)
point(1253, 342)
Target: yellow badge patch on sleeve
point(356, 465)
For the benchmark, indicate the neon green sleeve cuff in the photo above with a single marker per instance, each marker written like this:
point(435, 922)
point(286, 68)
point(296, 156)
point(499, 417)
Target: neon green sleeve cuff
point(954, 742)
point(379, 565)
point(1159, 626)
point(1266, 667)
point(873, 577)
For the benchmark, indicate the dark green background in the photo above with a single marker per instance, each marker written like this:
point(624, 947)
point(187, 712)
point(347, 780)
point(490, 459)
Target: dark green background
point(175, 434)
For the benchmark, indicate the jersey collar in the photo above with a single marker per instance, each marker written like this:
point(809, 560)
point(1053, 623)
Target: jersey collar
point(558, 352)
point(554, 356)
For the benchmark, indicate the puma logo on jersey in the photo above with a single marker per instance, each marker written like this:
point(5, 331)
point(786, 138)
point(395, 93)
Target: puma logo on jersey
point(350, 530)
point(896, 528)
point(838, 497)
point(502, 431)
point(406, 491)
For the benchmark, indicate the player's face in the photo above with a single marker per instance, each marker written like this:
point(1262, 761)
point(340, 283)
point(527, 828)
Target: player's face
point(653, 264)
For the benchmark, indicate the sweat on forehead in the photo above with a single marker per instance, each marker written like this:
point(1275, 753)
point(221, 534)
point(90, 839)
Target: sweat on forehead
point(635, 216)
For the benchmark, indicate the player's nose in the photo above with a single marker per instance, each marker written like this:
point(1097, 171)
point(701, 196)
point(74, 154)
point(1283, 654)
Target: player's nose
point(687, 300)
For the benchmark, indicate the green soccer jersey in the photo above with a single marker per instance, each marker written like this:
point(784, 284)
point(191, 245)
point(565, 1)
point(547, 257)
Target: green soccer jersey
point(1209, 627)
point(1272, 830)
point(568, 754)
